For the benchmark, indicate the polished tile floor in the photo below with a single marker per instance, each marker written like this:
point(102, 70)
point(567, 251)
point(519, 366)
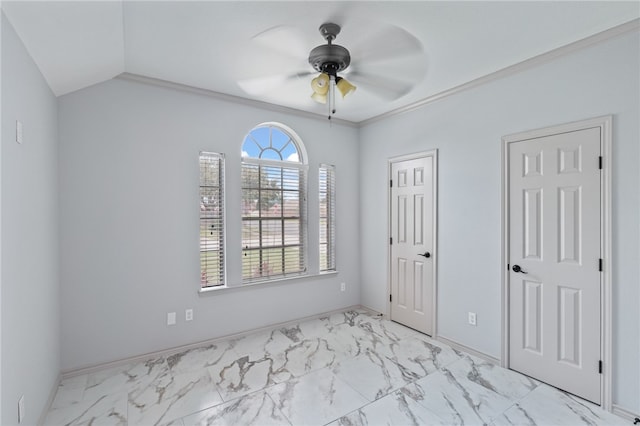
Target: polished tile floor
point(349, 368)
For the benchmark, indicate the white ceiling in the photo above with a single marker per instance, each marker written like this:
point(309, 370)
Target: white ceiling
point(213, 45)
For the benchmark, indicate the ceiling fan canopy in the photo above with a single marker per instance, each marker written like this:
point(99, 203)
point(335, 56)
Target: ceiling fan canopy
point(329, 58)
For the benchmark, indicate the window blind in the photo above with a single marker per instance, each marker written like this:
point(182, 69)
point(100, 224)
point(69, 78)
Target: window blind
point(327, 214)
point(273, 221)
point(211, 219)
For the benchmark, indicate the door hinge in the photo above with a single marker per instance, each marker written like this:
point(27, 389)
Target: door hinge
point(507, 266)
point(391, 183)
point(600, 366)
point(391, 241)
point(390, 299)
point(600, 162)
point(600, 265)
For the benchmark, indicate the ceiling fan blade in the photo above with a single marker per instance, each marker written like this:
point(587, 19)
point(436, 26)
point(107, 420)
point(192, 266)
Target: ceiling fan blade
point(261, 85)
point(384, 87)
point(388, 43)
point(284, 39)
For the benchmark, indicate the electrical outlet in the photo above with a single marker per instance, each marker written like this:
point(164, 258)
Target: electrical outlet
point(21, 412)
point(171, 318)
point(343, 286)
point(188, 315)
point(472, 318)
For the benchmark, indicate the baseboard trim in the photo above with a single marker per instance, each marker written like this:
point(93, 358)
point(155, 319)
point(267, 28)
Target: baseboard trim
point(49, 403)
point(461, 347)
point(370, 310)
point(177, 349)
point(624, 413)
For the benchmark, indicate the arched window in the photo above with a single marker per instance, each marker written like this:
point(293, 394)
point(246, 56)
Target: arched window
point(274, 188)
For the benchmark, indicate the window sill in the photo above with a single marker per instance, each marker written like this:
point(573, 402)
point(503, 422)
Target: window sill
point(225, 288)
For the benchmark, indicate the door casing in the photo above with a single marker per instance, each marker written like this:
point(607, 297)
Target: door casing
point(434, 256)
point(605, 125)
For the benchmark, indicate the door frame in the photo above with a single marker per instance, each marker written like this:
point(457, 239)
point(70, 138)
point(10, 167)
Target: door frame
point(434, 256)
point(605, 125)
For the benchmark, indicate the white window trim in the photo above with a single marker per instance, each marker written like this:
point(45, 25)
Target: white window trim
point(222, 241)
point(301, 165)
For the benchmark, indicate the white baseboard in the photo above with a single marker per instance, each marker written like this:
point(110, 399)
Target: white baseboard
point(52, 395)
point(452, 343)
point(624, 413)
point(168, 352)
point(469, 350)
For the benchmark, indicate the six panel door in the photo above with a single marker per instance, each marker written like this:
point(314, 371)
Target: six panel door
point(554, 252)
point(412, 243)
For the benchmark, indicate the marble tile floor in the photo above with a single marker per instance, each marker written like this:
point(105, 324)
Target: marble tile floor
point(348, 368)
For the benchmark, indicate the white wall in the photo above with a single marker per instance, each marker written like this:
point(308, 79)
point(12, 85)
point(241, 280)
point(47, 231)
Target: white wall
point(30, 286)
point(129, 221)
point(466, 129)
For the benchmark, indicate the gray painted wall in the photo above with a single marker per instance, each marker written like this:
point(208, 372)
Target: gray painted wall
point(467, 130)
point(129, 221)
point(30, 286)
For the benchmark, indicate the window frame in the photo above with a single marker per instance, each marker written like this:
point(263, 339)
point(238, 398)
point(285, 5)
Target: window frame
point(329, 191)
point(301, 168)
point(220, 219)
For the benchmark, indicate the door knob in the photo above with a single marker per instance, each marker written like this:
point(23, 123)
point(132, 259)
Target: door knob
point(425, 254)
point(517, 268)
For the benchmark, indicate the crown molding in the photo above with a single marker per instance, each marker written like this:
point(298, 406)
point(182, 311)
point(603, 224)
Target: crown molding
point(631, 26)
point(527, 64)
point(230, 98)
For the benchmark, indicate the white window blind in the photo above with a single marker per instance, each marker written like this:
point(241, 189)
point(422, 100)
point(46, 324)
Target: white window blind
point(327, 214)
point(211, 219)
point(273, 221)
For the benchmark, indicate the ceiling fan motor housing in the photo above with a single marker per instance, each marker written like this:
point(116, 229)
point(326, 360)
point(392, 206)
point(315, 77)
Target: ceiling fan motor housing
point(329, 58)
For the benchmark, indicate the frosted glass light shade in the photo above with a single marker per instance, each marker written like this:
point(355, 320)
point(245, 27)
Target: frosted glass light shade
point(321, 99)
point(320, 84)
point(344, 87)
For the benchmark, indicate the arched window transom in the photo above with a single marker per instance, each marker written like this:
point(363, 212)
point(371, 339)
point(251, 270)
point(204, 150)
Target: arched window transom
point(270, 142)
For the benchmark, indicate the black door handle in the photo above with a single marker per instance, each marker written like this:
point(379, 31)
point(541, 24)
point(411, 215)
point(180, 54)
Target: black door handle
point(517, 268)
point(425, 254)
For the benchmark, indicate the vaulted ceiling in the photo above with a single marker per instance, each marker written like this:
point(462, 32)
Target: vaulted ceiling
point(402, 52)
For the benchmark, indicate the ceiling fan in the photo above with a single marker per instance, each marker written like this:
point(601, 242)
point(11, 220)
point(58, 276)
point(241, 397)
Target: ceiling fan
point(387, 62)
point(329, 59)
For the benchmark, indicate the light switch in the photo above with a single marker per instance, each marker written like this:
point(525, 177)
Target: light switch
point(18, 131)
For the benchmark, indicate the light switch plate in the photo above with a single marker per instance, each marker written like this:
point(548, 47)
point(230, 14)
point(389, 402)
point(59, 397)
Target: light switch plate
point(21, 409)
point(171, 318)
point(19, 131)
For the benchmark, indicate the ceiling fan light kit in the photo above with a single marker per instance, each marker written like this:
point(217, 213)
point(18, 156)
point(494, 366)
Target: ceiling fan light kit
point(329, 59)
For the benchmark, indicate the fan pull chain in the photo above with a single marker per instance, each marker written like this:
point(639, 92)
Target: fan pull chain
point(332, 96)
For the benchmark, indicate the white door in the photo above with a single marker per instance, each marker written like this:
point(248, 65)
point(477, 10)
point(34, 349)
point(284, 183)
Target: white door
point(554, 260)
point(412, 242)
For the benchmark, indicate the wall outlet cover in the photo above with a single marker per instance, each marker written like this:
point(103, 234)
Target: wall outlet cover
point(472, 318)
